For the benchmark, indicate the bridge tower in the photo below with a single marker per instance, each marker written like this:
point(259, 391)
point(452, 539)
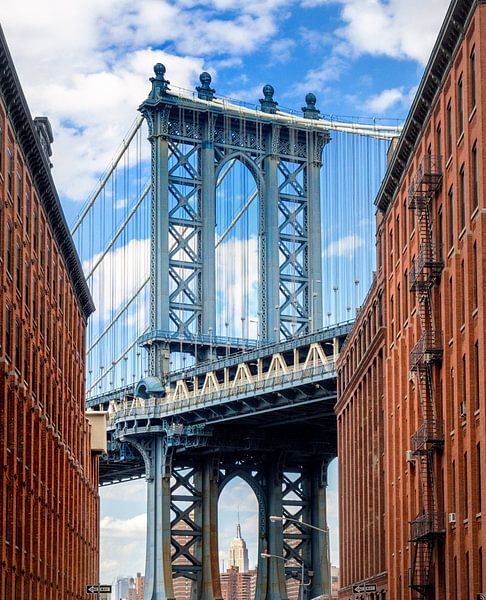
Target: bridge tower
point(193, 137)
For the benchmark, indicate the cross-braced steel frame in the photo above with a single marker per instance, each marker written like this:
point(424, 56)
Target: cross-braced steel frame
point(193, 141)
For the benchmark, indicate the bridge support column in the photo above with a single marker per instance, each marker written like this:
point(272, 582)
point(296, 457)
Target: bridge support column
point(270, 268)
point(158, 567)
point(314, 231)
point(276, 588)
point(209, 587)
point(208, 216)
point(321, 566)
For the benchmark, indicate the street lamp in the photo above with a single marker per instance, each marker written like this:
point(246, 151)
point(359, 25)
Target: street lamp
point(286, 560)
point(281, 519)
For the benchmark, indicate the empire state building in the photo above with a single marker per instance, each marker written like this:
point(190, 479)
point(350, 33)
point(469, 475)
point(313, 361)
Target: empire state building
point(238, 552)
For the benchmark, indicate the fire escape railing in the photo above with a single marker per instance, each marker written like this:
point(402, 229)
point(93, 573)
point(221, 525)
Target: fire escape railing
point(429, 437)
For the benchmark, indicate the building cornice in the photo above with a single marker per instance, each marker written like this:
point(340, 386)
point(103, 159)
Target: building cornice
point(451, 33)
point(27, 137)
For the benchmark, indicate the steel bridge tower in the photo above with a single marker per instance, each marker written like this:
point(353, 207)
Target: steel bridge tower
point(192, 139)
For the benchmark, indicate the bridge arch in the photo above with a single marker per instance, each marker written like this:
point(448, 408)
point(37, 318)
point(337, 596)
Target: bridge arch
point(238, 240)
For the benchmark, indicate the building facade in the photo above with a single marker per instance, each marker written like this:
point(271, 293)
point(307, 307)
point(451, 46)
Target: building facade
point(49, 476)
point(238, 552)
point(236, 585)
point(431, 248)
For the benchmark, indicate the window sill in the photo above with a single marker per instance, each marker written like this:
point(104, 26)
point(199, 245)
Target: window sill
point(472, 113)
point(474, 313)
point(463, 327)
point(474, 213)
point(463, 232)
point(449, 162)
point(451, 252)
point(460, 139)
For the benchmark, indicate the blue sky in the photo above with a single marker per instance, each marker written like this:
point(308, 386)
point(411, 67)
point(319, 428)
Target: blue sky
point(86, 66)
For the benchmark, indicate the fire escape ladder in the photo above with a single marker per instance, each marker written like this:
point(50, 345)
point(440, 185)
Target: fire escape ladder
point(424, 274)
point(420, 569)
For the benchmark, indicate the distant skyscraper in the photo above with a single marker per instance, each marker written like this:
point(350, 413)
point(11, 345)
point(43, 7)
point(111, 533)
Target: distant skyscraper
point(238, 552)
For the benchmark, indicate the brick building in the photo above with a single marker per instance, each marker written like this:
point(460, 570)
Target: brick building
point(237, 585)
point(426, 399)
point(48, 472)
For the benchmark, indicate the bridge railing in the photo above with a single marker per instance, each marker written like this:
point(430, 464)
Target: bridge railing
point(258, 384)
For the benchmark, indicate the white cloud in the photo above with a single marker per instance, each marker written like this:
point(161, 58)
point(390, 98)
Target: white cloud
point(316, 80)
point(281, 50)
point(119, 275)
point(86, 65)
point(397, 28)
point(345, 246)
point(122, 546)
point(381, 102)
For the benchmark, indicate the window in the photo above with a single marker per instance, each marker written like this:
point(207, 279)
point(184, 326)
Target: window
point(34, 299)
point(17, 345)
point(450, 197)
point(466, 488)
point(35, 233)
point(453, 505)
point(399, 316)
point(449, 129)
point(440, 234)
point(453, 401)
point(9, 171)
point(463, 294)
point(451, 308)
point(472, 77)
point(391, 250)
point(405, 295)
point(478, 467)
point(474, 161)
point(9, 261)
point(1, 150)
point(404, 222)
point(27, 284)
point(18, 268)
point(397, 237)
point(475, 275)
point(26, 357)
point(27, 213)
point(467, 578)
point(392, 316)
point(480, 567)
point(8, 331)
point(476, 376)
point(462, 197)
point(438, 142)
point(460, 108)
point(19, 195)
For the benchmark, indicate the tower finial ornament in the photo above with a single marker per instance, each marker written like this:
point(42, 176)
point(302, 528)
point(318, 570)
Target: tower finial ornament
point(159, 84)
point(310, 111)
point(205, 91)
point(268, 104)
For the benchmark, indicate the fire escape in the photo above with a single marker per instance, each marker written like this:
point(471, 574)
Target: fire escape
point(428, 527)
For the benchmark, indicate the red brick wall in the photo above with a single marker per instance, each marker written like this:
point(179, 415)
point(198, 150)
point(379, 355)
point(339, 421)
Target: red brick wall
point(49, 495)
point(459, 313)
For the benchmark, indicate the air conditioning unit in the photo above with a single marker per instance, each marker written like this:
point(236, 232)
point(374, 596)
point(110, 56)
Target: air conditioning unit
point(462, 409)
point(410, 456)
point(452, 517)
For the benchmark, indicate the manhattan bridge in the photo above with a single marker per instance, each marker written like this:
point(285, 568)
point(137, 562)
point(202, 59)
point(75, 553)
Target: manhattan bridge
point(226, 258)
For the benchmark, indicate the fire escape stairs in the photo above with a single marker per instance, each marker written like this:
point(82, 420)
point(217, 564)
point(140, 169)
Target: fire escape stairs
point(426, 269)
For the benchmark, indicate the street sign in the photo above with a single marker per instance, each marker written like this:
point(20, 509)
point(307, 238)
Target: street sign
point(98, 589)
point(364, 587)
